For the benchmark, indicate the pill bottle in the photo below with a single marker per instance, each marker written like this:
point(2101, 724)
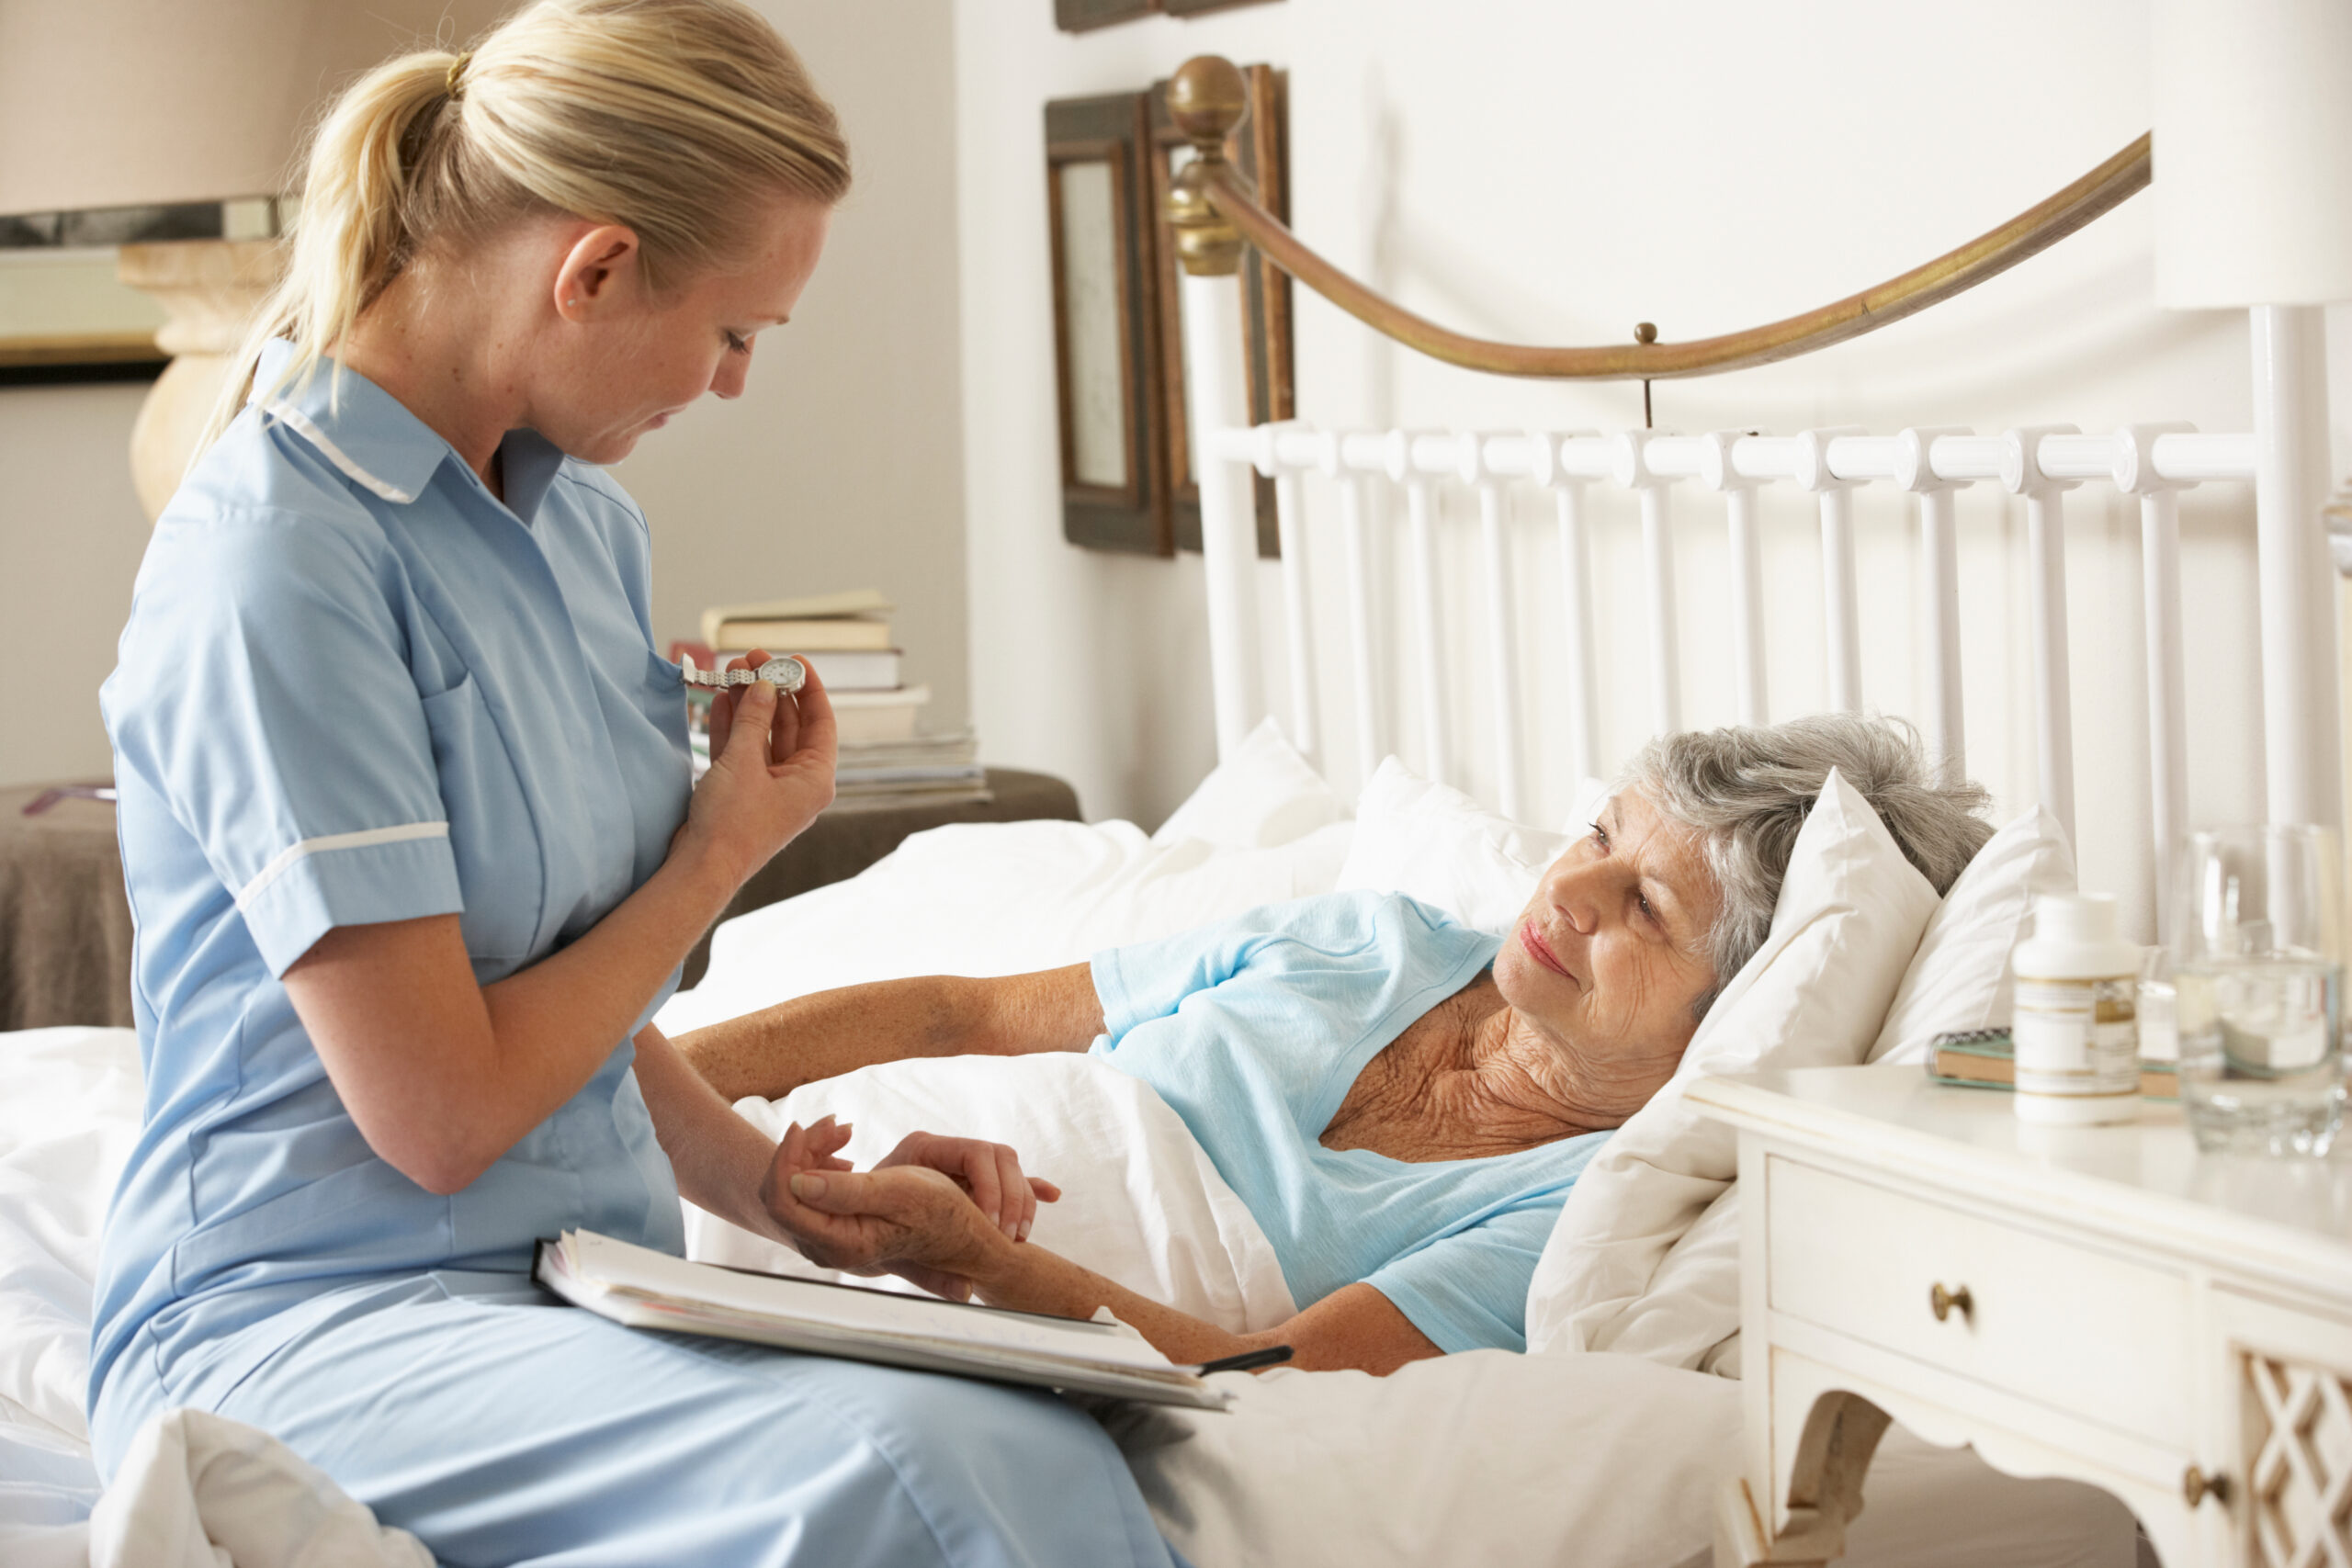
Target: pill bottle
point(2076, 1030)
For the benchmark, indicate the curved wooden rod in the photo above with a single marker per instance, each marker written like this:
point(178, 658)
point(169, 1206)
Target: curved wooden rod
point(2034, 230)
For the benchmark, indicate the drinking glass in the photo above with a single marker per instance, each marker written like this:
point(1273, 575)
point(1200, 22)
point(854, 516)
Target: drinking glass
point(2257, 944)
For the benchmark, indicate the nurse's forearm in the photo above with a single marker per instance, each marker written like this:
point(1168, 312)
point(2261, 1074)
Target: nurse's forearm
point(721, 1159)
point(588, 994)
point(443, 1074)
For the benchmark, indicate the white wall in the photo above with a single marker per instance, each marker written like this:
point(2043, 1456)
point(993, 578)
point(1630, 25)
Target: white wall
point(1553, 172)
point(840, 467)
point(71, 535)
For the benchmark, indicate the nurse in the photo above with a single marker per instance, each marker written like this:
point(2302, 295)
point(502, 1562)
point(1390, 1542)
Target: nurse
point(407, 826)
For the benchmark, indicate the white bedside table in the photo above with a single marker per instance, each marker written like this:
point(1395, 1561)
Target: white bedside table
point(2100, 1303)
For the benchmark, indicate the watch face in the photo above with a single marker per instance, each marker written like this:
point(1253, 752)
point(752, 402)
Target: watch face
point(783, 674)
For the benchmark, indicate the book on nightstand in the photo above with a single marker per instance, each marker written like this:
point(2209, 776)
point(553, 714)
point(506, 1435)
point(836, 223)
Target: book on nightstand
point(828, 623)
point(640, 1288)
point(929, 770)
point(1985, 1058)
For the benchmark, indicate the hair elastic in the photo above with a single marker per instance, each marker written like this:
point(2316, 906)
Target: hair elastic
point(450, 83)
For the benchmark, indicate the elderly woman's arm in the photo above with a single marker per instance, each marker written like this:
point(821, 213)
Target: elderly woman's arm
point(917, 1222)
point(772, 1051)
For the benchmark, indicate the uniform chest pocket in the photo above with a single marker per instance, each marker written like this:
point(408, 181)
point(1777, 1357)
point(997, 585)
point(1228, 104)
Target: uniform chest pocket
point(491, 833)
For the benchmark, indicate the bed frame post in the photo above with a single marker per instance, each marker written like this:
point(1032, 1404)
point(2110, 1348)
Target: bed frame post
point(1355, 541)
point(1502, 637)
point(1545, 469)
point(1939, 536)
point(1298, 615)
point(1420, 536)
point(1633, 472)
point(1840, 610)
point(1208, 99)
point(2135, 474)
point(2045, 529)
point(1717, 472)
point(2300, 722)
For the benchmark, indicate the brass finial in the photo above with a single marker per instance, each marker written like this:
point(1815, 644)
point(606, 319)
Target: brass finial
point(1206, 98)
point(1645, 332)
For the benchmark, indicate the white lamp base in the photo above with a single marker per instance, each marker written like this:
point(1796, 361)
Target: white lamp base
point(211, 289)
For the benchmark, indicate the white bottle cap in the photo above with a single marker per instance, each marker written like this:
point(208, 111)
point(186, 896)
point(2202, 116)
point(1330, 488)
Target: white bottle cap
point(2076, 916)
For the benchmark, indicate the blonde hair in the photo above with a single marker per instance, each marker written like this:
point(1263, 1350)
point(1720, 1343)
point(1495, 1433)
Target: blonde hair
point(668, 117)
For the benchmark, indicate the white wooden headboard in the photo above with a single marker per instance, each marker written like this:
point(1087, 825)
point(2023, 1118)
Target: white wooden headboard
point(1327, 482)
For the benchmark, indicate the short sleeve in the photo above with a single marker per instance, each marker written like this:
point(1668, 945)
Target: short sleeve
point(1151, 979)
point(264, 694)
point(1467, 1289)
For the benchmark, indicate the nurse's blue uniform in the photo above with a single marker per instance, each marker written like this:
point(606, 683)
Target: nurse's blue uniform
point(356, 687)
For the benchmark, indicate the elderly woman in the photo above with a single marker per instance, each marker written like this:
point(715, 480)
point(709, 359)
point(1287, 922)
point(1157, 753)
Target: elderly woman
point(1401, 1101)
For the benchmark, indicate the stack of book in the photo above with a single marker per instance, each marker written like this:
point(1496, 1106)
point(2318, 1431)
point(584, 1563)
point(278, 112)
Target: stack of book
point(845, 639)
point(928, 770)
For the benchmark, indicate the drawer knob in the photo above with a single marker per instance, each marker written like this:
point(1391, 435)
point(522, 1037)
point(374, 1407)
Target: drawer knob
point(1944, 1302)
point(2196, 1485)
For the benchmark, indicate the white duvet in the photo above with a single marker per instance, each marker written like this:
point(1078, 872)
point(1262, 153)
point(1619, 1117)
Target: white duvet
point(1608, 1462)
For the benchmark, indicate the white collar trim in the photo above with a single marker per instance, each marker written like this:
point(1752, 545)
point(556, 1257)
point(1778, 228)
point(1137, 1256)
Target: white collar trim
point(334, 454)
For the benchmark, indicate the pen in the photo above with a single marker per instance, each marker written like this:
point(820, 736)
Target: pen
point(1248, 1360)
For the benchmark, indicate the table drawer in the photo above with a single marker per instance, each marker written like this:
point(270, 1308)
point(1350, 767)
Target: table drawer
point(2055, 1320)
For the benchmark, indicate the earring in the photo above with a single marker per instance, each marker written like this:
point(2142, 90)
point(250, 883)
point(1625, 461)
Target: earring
point(573, 304)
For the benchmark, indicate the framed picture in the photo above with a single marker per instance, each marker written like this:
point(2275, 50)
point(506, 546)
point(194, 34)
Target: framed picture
point(1085, 16)
point(1259, 147)
point(1106, 339)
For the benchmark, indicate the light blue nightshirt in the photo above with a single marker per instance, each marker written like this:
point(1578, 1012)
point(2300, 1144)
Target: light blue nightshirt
point(1253, 1031)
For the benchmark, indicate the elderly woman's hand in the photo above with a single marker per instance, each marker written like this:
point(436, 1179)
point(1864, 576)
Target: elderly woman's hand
point(933, 1212)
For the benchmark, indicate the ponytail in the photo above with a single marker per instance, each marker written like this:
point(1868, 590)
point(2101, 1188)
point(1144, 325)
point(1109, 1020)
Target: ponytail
point(666, 117)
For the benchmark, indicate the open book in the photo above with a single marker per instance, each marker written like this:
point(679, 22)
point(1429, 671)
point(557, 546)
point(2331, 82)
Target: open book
point(645, 1289)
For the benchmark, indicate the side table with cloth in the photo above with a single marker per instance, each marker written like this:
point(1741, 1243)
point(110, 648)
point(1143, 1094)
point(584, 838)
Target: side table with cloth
point(65, 924)
point(65, 921)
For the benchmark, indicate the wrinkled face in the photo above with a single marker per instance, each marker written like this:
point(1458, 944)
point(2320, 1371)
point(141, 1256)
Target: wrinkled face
point(633, 356)
point(1611, 953)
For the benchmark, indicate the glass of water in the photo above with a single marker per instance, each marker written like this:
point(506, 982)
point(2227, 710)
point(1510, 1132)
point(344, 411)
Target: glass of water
point(2258, 963)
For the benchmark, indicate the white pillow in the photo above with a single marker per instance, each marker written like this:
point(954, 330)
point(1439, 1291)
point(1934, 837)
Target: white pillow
point(1959, 977)
point(1850, 914)
point(1688, 1316)
point(1263, 795)
point(1141, 1203)
point(994, 898)
point(1436, 844)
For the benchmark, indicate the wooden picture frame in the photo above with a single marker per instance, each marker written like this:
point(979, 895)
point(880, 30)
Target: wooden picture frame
point(1259, 148)
point(1106, 339)
point(1085, 16)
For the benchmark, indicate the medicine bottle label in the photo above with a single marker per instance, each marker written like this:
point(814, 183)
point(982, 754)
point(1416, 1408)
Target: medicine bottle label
point(2076, 1037)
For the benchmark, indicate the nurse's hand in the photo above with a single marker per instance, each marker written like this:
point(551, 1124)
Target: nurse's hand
point(914, 1215)
point(772, 762)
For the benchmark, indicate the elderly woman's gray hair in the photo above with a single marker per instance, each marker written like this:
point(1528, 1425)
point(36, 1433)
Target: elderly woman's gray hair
point(1747, 792)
